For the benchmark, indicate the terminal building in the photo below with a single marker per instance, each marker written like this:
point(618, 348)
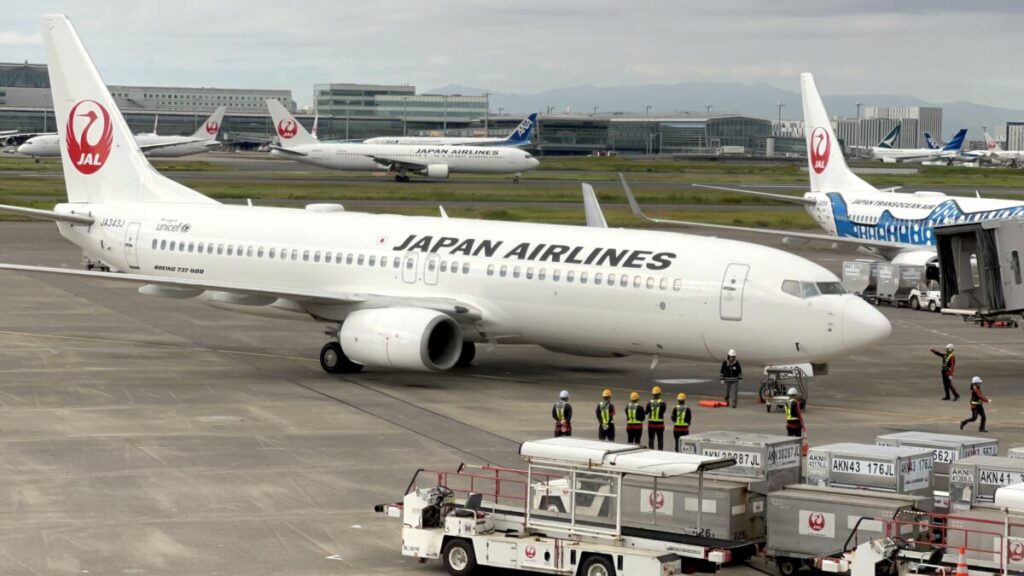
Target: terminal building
point(1015, 135)
point(927, 119)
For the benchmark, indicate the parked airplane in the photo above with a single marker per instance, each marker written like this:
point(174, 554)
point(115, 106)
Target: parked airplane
point(427, 160)
point(418, 292)
point(518, 137)
point(949, 152)
point(887, 142)
point(932, 143)
point(994, 153)
point(854, 213)
point(151, 144)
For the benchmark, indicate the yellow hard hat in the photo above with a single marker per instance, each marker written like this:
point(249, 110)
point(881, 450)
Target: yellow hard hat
point(656, 390)
point(606, 394)
point(634, 396)
point(681, 396)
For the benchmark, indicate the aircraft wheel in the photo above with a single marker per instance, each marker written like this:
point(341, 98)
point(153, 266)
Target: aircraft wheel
point(334, 361)
point(515, 180)
point(467, 355)
point(398, 178)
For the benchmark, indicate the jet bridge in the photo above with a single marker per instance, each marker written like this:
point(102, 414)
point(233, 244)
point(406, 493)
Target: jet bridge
point(981, 267)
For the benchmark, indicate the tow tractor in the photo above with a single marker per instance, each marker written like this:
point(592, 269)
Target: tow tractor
point(776, 383)
point(581, 507)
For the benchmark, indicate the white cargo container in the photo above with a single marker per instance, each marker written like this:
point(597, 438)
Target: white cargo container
point(767, 461)
point(898, 469)
point(1017, 452)
point(975, 479)
point(857, 277)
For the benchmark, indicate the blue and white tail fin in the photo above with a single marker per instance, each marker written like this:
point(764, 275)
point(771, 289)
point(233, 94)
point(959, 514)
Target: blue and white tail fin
point(210, 128)
point(289, 130)
point(102, 163)
point(521, 135)
point(957, 142)
point(890, 139)
point(931, 142)
point(825, 162)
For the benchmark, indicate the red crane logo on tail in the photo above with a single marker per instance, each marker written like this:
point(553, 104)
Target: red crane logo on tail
point(821, 146)
point(89, 136)
point(816, 521)
point(212, 127)
point(287, 129)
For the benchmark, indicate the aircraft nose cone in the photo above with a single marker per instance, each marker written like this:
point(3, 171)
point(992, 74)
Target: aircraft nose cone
point(24, 149)
point(863, 324)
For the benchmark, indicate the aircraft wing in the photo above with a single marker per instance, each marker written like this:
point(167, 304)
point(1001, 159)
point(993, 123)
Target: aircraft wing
point(191, 287)
point(394, 163)
point(780, 197)
point(284, 150)
point(159, 145)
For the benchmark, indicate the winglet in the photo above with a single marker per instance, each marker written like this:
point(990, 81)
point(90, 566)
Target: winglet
point(592, 209)
point(633, 204)
point(444, 213)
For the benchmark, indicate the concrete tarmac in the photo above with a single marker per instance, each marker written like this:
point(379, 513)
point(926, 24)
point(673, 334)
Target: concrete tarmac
point(142, 435)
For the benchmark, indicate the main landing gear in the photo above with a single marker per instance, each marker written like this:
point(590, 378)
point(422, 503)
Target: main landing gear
point(334, 361)
point(401, 177)
point(515, 178)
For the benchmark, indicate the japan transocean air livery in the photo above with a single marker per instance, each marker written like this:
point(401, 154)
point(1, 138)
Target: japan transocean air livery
point(854, 213)
point(418, 293)
point(518, 137)
point(432, 161)
point(153, 145)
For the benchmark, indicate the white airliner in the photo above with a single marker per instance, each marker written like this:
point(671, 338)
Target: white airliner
point(994, 153)
point(518, 137)
point(418, 292)
point(153, 145)
point(854, 213)
point(949, 152)
point(432, 161)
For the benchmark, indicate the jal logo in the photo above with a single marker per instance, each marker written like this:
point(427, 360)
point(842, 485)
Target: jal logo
point(531, 552)
point(287, 129)
point(212, 127)
point(991, 145)
point(656, 500)
point(89, 136)
point(816, 521)
point(1016, 551)
point(821, 145)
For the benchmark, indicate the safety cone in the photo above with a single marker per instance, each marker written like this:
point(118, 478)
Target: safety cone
point(961, 563)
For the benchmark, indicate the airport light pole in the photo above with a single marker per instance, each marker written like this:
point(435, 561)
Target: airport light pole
point(647, 118)
point(595, 110)
point(405, 115)
point(707, 109)
point(444, 100)
point(487, 110)
point(780, 105)
point(858, 110)
point(501, 110)
point(347, 114)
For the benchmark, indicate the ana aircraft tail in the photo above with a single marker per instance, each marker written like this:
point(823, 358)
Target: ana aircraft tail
point(521, 135)
point(957, 142)
point(210, 128)
point(288, 129)
point(890, 139)
point(931, 142)
point(825, 162)
point(102, 162)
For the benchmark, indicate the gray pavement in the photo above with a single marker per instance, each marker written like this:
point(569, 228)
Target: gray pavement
point(141, 435)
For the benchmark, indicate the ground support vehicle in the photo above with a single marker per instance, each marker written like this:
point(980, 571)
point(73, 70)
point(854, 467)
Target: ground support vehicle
point(776, 383)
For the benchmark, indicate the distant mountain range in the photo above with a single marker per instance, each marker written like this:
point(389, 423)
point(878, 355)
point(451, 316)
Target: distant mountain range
point(758, 100)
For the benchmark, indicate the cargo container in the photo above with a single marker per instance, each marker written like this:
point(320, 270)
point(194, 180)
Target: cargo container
point(981, 531)
point(767, 461)
point(1017, 452)
point(858, 278)
point(897, 281)
point(975, 479)
point(898, 469)
point(946, 449)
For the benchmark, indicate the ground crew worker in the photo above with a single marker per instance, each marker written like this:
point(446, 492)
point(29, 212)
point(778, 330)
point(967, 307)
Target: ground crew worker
point(634, 419)
point(732, 376)
point(948, 366)
point(680, 419)
point(977, 405)
point(794, 418)
point(561, 412)
point(656, 420)
point(605, 417)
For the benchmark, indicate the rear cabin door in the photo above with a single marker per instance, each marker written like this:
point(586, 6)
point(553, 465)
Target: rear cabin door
point(131, 245)
point(731, 303)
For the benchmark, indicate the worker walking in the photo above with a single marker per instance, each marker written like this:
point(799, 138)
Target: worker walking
point(605, 417)
point(794, 417)
point(978, 401)
point(948, 366)
point(656, 420)
point(680, 419)
point(732, 376)
point(634, 419)
point(561, 412)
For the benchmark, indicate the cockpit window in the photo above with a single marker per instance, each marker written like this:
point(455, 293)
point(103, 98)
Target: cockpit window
point(811, 289)
point(831, 288)
point(791, 287)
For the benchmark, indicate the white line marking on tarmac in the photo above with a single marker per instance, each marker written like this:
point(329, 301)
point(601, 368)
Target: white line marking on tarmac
point(683, 381)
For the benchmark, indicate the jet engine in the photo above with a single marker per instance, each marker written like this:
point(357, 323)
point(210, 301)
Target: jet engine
point(401, 337)
point(436, 171)
point(916, 257)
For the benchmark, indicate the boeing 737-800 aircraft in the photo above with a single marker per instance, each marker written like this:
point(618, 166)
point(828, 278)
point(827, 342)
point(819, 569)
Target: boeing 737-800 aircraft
point(418, 292)
point(153, 145)
point(427, 160)
point(519, 137)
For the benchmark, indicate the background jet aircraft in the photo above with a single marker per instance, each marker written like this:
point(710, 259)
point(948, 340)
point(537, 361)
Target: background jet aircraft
point(518, 137)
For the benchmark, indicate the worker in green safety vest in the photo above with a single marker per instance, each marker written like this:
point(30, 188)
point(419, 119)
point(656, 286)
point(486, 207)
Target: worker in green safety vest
point(794, 418)
point(562, 413)
point(681, 418)
point(634, 419)
point(605, 413)
point(656, 420)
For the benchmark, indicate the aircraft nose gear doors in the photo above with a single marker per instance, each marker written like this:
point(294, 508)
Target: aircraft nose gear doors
point(731, 305)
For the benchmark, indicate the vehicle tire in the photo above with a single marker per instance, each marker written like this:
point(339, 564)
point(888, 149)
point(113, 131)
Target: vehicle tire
point(915, 303)
point(933, 306)
point(787, 566)
point(597, 566)
point(334, 361)
point(467, 355)
point(458, 557)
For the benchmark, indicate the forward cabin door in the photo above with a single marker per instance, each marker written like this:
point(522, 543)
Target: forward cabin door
point(131, 245)
point(731, 302)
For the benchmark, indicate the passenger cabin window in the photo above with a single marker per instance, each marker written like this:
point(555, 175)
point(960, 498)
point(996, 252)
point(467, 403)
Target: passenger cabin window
point(529, 273)
point(570, 276)
point(583, 277)
point(305, 255)
point(611, 279)
point(191, 247)
point(220, 249)
point(465, 267)
point(348, 259)
point(490, 269)
point(677, 284)
point(316, 256)
point(663, 284)
point(598, 277)
point(372, 261)
point(444, 266)
point(383, 261)
point(542, 273)
point(624, 280)
point(515, 272)
point(650, 282)
point(259, 253)
point(272, 253)
point(556, 275)
point(231, 250)
point(248, 251)
point(173, 243)
point(327, 257)
point(638, 281)
point(295, 253)
point(154, 243)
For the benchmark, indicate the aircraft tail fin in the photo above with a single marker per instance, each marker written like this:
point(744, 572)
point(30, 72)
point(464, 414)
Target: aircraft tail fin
point(288, 129)
point(102, 163)
point(521, 135)
point(991, 144)
point(889, 141)
point(825, 162)
point(932, 143)
point(957, 142)
point(210, 128)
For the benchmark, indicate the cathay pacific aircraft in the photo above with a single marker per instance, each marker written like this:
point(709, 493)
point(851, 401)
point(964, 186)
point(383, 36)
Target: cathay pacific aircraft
point(518, 137)
point(419, 293)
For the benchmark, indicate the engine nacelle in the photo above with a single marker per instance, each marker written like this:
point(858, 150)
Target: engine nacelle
point(916, 257)
point(436, 171)
point(405, 338)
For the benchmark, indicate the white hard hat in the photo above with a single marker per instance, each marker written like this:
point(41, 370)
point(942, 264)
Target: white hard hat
point(949, 346)
point(563, 394)
point(732, 352)
point(792, 392)
point(976, 380)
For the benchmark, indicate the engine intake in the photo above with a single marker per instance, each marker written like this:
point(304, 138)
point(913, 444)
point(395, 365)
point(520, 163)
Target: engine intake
point(436, 171)
point(401, 337)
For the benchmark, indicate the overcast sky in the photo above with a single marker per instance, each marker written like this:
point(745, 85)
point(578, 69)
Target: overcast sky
point(939, 51)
